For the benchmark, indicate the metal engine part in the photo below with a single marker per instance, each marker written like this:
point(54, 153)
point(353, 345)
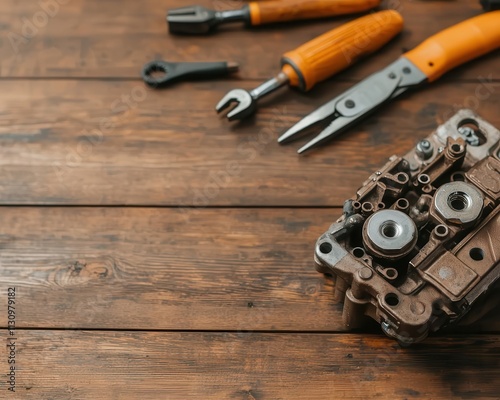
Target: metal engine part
point(419, 244)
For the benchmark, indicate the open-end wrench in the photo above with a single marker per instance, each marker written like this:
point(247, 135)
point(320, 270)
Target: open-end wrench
point(170, 72)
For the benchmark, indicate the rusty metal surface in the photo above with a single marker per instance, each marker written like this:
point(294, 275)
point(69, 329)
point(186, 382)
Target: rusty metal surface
point(418, 246)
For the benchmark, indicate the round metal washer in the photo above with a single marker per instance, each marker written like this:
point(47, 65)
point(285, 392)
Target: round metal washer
point(390, 233)
point(459, 201)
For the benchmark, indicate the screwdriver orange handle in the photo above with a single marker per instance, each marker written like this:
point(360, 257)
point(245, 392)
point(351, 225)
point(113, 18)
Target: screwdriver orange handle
point(336, 50)
point(457, 45)
point(291, 10)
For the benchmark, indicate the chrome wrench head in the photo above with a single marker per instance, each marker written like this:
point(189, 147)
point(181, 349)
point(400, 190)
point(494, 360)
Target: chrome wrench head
point(245, 104)
point(192, 20)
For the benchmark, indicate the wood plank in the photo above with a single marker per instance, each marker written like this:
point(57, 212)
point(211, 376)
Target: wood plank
point(114, 143)
point(170, 269)
point(128, 268)
point(96, 38)
point(63, 365)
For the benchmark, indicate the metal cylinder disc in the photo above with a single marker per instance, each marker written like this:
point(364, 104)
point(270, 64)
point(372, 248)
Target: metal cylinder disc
point(390, 233)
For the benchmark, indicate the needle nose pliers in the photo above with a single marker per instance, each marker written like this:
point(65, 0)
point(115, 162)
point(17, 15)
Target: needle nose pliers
point(425, 63)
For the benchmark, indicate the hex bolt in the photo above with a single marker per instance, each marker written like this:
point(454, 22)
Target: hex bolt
point(424, 149)
point(470, 135)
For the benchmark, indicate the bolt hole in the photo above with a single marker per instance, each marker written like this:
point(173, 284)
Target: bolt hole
point(367, 207)
point(391, 273)
point(456, 148)
point(325, 247)
point(441, 230)
point(356, 204)
point(358, 252)
point(381, 206)
point(350, 104)
point(389, 229)
point(403, 204)
point(424, 179)
point(402, 177)
point(459, 201)
point(392, 299)
point(477, 254)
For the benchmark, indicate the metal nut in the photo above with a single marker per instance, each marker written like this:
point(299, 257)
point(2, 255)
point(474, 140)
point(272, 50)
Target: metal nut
point(390, 233)
point(458, 202)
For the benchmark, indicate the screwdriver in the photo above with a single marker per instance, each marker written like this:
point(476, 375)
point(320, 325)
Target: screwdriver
point(319, 59)
point(201, 20)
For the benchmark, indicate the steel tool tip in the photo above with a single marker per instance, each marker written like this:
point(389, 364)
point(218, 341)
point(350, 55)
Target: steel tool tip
point(233, 67)
point(286, 136)
point(303, 149)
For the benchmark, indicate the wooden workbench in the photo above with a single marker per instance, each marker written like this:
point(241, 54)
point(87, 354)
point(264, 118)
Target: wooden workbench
point(159, 252)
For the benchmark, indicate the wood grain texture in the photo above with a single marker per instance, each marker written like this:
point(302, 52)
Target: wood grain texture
point(116, 143)
point(96, 38)
point(71, 365)
point(195, 300)
point(172, 269)
point(180, 269)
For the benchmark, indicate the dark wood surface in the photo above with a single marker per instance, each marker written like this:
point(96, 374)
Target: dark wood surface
point(170, 149)
point(206, 365)
point(159, 252)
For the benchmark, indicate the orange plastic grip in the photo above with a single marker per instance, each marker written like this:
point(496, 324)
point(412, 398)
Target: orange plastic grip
point(457, 45)
point(334, 51)
point(291, 10)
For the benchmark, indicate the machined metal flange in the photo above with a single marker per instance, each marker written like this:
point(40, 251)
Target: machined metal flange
point(458, 203)
point(390, 234)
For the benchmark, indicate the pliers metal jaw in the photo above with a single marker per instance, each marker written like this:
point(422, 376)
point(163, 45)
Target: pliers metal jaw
point(357, 103)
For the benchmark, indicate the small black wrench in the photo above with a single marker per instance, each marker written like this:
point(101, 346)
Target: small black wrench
point(172, 72)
